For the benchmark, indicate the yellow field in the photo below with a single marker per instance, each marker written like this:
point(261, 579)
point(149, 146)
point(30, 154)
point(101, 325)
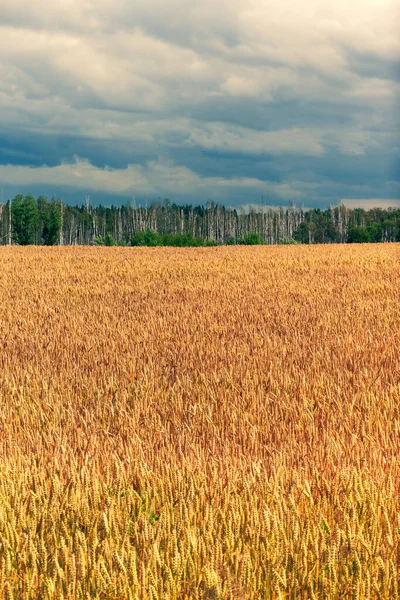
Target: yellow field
point(200, 423)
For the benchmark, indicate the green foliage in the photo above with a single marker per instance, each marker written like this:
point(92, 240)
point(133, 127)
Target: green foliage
point(375, 232)
point(25, 218)
point(99, 240)
point(50, 220)
point(251, 239)
point(183, 241)
point(301, 235)
point(145, 238)
point(358, 235)
point(318, 228)
point(150, 238)
point(288, 241)
point(331, 235)
point(109, 240)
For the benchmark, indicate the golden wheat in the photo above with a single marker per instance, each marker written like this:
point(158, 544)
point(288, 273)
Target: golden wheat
point(218, 423)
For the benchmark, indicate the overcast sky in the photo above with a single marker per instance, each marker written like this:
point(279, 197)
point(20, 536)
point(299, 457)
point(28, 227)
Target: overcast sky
point(229, 100)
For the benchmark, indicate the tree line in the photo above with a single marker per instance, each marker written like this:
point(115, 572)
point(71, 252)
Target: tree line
point(27, 220)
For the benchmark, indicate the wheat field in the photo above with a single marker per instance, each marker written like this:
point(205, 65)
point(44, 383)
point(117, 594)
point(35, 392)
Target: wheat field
point(213, 423)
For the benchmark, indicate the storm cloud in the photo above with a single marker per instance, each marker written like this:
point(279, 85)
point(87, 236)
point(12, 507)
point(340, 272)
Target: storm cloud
point(230, 100)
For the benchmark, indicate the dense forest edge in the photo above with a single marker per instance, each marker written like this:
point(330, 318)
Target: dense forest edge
point(26, 220)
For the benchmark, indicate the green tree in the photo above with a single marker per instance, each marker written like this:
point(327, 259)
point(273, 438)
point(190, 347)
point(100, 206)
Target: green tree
point(138, 239)
point(109, 240)
point(358, 235)
point(25, 219)
point(49, 217)
point(375, 232)
point(301, 234)
point(251, 239)
point(331, 235)
point(99, 240)
point(151, 238)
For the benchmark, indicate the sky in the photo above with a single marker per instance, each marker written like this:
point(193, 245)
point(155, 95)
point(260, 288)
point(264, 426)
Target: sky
point(238, 101)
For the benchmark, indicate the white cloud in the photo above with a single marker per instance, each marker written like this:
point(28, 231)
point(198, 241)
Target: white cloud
point(371, 203)
point(158, 178)
point(152, 54)
point(222, 137)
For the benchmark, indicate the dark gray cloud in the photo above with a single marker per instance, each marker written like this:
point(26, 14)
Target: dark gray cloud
point(226, 99)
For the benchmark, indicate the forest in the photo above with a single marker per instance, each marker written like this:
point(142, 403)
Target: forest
point(26, 220)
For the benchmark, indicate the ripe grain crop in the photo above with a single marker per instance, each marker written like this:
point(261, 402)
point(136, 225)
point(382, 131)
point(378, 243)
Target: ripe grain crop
point(186, 424)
